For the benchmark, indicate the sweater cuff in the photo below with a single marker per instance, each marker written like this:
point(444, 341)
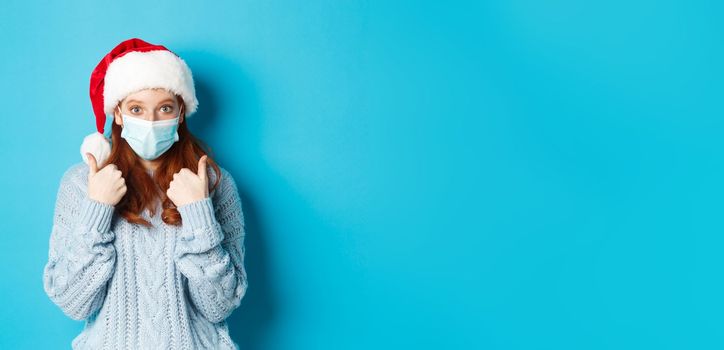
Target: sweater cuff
point(198, 214)
point(96, 215)
point(201, 229)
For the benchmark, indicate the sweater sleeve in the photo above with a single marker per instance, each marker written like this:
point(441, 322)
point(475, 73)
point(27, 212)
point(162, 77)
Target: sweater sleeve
point(210, 251)
point(81, 257)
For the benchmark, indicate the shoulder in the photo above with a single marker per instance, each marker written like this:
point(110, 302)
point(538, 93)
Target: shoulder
point(73, 186)
point(76, 176)
point(227, 203)
point(227, 184)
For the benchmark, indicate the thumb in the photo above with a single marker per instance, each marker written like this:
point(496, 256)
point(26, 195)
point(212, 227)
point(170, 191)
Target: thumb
point(202, 167)
point(92, 163)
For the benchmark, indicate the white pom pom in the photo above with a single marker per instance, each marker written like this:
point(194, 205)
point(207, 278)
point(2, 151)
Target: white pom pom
point(96, 144)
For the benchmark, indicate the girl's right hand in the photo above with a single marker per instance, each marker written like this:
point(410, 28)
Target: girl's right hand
point(106, 185)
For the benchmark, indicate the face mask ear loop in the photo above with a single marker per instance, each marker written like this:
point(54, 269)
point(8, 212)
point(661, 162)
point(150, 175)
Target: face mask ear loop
point(119, 112)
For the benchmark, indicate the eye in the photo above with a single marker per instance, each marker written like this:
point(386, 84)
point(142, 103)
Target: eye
point(168, 110)
point(134, 108)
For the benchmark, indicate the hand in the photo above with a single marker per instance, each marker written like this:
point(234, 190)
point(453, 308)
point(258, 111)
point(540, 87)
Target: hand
point(106, 185)
point(187, 186)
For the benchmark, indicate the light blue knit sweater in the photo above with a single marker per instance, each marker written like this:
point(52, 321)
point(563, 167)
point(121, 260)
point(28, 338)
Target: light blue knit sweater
point(166, 287)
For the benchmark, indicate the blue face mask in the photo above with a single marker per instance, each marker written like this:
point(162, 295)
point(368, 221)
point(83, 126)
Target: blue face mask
point(149, 139)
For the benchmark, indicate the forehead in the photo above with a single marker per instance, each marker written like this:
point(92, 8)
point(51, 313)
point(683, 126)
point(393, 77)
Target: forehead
point(150, 96)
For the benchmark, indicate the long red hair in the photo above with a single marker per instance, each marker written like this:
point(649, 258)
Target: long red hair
point(143, 191)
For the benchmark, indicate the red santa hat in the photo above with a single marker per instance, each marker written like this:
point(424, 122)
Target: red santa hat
point(131, 66)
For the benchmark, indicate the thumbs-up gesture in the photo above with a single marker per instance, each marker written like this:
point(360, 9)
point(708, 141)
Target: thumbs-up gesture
point(187, 186)
point(106, 185)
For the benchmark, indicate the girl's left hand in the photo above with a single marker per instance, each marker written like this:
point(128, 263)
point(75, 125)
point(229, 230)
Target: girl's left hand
point(187, 186)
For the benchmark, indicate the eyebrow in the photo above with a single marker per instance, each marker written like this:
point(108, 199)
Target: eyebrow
point(136, 101)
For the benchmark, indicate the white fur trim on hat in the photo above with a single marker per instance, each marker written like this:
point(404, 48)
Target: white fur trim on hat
point(138, 70)
point(96, 144)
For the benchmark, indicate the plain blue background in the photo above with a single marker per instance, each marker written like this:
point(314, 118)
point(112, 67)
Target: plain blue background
point(450, 175)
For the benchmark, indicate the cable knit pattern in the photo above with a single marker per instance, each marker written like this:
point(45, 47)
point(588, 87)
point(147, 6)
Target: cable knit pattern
point(164, 287)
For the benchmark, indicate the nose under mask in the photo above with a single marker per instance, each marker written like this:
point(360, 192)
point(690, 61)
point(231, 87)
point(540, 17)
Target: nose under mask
point(150, 139)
